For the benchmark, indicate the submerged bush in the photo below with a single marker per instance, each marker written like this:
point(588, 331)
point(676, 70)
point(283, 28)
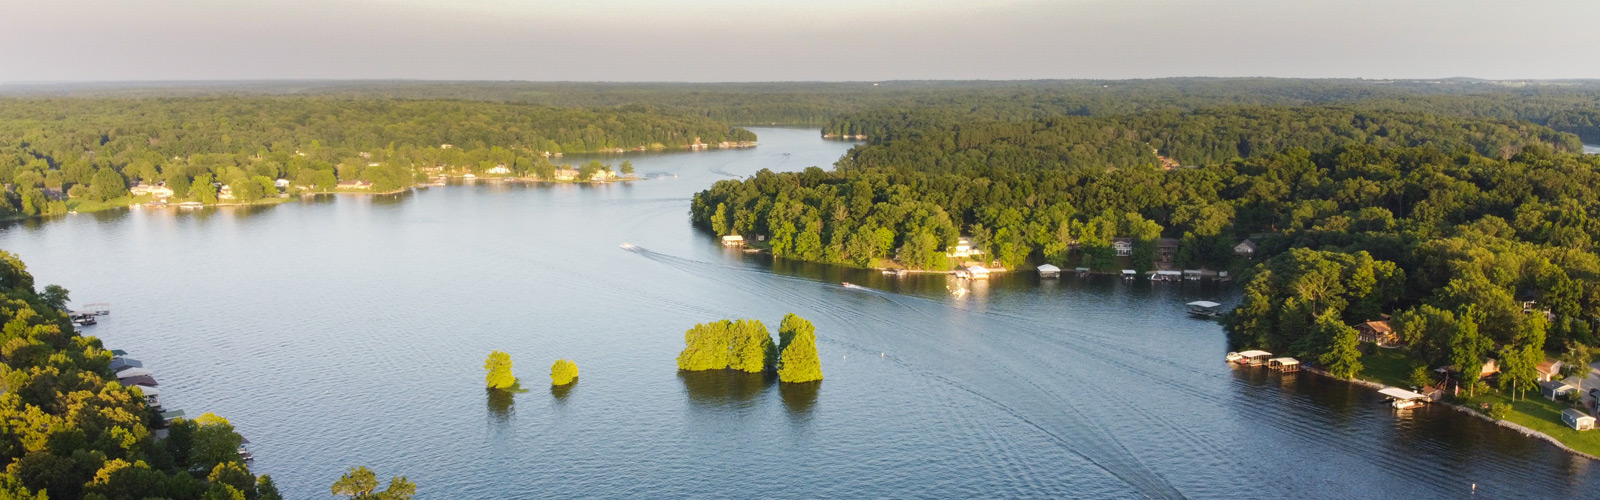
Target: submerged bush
point(743, 345)
point(799, 361)
point(563, 372)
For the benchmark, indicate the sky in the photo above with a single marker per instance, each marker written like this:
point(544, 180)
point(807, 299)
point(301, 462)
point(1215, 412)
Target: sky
point(788, 40)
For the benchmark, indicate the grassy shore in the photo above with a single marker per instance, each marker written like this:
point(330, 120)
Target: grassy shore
point(1392, 367)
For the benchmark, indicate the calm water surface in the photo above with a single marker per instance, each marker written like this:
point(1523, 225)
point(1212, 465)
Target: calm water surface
point(352, 331)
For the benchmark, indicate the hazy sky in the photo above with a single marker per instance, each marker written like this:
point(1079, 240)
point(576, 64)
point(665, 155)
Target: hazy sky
point(765, 40)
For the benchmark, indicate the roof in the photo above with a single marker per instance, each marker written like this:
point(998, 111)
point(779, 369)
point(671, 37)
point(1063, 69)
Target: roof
point(1246, 244)
point(169, 415)
point(119, 352)
point(149, 391)
point(733, 237)
point(1555, 384)
point(138, 380)
point(1049, 268)
point(1285, 361)
point(1398, 393)
point(1129, 271)
point(134, 372)
point(1377, 326)
point(1169, 273)
point(977, 269)
point(1254, 354)
point(1204, 303)
point(1548, 366)
point(1575, 414)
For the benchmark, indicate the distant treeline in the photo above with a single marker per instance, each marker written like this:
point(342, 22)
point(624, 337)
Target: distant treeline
point(96, 148)
point(1568, 106)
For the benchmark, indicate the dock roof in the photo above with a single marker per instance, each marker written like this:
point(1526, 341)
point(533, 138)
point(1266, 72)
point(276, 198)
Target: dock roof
point(1255, 354)
point(1204, 303)
point(134, 372)
point(1049, 268)
point(1398, 393)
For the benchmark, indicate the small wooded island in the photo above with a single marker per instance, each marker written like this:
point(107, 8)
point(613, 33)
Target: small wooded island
point(745, 345)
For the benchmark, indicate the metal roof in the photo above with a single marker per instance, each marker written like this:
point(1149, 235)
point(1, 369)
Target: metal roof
point(1398, 393)
point(1254, 354)
point(1204, 303)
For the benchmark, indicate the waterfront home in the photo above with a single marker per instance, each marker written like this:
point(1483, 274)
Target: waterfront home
point(1555, 389)
point(1285, 365)
point(1490, 367)
point(139, 188)
point(498, 170)
point(356, 184)
point(1377, 332)
point(1205, 308)
point(566, 174)
point(1246, 248)
point(226, 193)
point(281, 183)
point(160, 191)
point(732, 240)
point(1402, 399)
point(1549, 370)
point(1049, 271)
point(1123, 246)
point(1577, 419)
point(963, 249)
point(1166, 250)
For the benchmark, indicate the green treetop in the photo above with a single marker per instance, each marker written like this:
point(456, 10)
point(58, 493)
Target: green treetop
point(563, 372)
point(798, 361)
point(743, 345)
point(498, 366)
point(362, 484)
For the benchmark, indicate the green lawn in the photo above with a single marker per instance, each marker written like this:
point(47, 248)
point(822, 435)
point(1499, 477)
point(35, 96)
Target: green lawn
point(1390, 367)
point(1542, 415)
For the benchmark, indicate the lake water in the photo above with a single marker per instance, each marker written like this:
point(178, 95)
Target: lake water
point(352, 331)
point(1591, 149)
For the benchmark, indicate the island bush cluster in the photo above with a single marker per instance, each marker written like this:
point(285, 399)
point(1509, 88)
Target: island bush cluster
point(746, 345)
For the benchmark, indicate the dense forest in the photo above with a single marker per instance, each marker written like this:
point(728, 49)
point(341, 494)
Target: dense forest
point(68, 430)
point(52, 150)
point(1476, 234)
point(1568, 106)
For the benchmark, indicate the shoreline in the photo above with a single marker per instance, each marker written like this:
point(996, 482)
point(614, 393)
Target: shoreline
point(1519, 428)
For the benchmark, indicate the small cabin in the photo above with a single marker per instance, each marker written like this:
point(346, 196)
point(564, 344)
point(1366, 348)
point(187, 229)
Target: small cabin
point(1246, 248)
point(1377, 332)
point(1166, 250)
point(1205, 308)
point(1402, 399)
point(1549, 370)
point(1285, 365)
point(732, 240)
point(1555, 389)
point(1049, 271)
point(1577, 419)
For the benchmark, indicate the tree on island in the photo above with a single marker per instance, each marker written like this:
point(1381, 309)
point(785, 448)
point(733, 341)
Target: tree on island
point(563, 372)
point(743, 345)
point(362, 484)
point(798, 361)
point(627, 167)
point(498, 366)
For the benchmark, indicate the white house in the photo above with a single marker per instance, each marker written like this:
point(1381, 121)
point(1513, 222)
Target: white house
point(1123, 246)
point(498, 170)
